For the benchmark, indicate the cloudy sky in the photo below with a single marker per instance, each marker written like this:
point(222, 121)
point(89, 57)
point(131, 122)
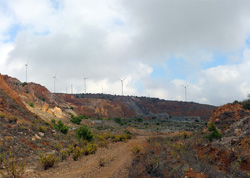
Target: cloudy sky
point(157, 46)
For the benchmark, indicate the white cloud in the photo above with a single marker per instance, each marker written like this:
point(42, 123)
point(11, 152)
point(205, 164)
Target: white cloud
point(106, 40)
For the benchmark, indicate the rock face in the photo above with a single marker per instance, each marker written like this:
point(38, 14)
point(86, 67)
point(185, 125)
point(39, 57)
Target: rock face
point(106, 106)
point(226, 115)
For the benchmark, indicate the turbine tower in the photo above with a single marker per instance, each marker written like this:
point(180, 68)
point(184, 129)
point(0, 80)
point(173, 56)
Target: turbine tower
point(122, 84)
point(185, 86)
point(54, 83)
point(85, 78)
point(26, 72)
point(26, 66)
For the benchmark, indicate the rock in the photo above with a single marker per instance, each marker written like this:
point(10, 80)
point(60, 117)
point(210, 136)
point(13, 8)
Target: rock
point(45, 107)
point(238, 132)
point(234, 141)
point(36, 137)
point(53, 131)
point(41, 134)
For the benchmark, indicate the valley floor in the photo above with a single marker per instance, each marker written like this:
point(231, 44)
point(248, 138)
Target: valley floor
point(117, 161)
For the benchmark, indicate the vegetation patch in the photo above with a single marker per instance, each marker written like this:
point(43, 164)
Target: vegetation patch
point(83, 133)
point(60, 126)
point(48, 161)
point(12, 169)
point(77, 119)
point(215, 133)
point(31, 104)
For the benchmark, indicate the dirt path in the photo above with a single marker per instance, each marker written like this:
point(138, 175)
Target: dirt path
point(118, 159)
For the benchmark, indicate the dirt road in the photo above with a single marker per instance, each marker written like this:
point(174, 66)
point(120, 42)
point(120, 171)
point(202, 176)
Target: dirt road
point(117, 158)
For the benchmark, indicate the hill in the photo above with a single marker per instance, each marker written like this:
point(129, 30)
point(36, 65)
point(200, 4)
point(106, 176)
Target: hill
point(107, 106)
point(169, 133)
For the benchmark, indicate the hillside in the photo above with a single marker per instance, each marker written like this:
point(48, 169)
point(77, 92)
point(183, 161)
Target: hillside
point(166, 136)
point(106, 106)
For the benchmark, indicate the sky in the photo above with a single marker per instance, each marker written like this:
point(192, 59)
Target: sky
point(156, 46)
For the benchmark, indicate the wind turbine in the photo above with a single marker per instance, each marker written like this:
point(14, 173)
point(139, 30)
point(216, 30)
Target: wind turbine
point(54, 83)
point(26, 65)
point(85, 78)
point(26, 71)
point(185, 86)
point(122, 84)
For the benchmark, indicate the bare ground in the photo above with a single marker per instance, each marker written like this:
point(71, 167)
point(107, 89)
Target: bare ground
point(117, 157)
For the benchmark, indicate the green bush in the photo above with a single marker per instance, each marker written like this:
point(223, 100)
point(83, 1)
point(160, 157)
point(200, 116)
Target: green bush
point(83, 133)
point(60, 126)
point(77, 119)
point(118, 120)
point(215, 133)
point(31, 104)
point(246, 104)
point(212, 127)
point(48, 161)
point(139, 119)
point(24, 83)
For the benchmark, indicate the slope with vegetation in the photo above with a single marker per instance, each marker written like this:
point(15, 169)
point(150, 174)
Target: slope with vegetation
point(89, 134)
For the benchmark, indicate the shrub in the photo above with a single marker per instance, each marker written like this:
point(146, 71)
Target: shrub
point(90, 149)
point(83, 133)
point(77, 119)
point(136, 149)
point(118, 138)
point(101, 162)
point(53, 121)
point(64, 154)
point(2, 158)
point(78, 152)
point(212, 127)
point(2, 115)
point(12, 119)
point(139, 119)
point(60, 126)
point(10, 165)
point(43, 129)
point(246, 104)
point(31, 104)
point(58, 147)
point(118, 120)
point(24, 83)
point(48, 161)
point(71, 148)
point(215, 133)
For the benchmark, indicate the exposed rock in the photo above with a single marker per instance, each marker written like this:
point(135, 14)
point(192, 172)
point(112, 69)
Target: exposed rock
point(45, 107)
point(41, 134)
point(238, 132)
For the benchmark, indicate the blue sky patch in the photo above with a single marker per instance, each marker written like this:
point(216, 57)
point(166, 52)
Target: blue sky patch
point(55, 4)
point(158, 72)
point(218, 59)
point(41, 33)
point(177, 68)
point(118, 21)
point(139, 86)
point(12, 33)
point(248, 42)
